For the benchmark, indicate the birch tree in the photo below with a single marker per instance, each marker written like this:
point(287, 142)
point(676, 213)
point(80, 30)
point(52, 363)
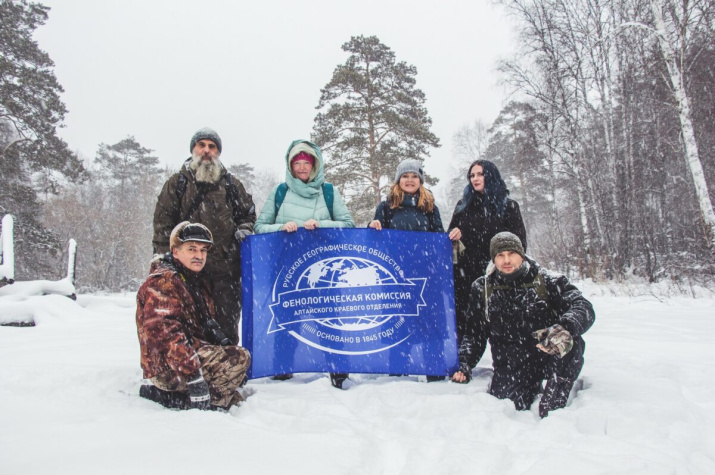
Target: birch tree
point(673, 22)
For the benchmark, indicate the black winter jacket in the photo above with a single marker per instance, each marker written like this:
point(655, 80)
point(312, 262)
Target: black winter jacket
point(408, 217)
point(215, 212)
point(478, 229)
point(515, 310)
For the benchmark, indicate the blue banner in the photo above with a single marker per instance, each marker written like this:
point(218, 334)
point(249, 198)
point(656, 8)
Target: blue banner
point(349, 300)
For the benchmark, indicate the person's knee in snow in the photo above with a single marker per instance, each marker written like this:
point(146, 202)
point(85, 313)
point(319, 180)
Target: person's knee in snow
point(533, 320)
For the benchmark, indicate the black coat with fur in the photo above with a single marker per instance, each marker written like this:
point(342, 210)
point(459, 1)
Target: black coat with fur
point(478, 226)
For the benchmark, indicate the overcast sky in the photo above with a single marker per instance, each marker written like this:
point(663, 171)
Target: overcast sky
point(160, 70)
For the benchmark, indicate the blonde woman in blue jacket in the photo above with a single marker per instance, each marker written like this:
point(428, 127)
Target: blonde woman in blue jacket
point(304, 200)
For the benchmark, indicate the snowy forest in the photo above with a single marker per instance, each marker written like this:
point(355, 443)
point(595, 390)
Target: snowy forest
point(607, 144)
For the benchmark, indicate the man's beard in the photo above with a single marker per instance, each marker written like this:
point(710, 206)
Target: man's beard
point(206, 172)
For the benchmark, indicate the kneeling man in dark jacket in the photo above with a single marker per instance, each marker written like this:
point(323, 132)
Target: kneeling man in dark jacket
point(533, 320)
point(189, 360)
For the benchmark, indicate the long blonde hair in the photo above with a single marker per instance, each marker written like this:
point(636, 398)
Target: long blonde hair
point(425, 203)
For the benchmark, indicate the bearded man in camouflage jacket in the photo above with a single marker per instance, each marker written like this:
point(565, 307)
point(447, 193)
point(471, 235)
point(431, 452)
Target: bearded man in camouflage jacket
point(184, 353)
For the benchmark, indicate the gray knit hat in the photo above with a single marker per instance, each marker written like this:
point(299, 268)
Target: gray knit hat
point(203, 134)
point(505, 241)
point(409, 165)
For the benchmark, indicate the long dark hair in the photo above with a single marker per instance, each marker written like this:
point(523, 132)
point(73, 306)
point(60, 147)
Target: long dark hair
point(495, 190)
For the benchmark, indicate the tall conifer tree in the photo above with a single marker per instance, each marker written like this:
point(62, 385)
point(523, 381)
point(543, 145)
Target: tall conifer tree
point(372, 117)
point(32, 156)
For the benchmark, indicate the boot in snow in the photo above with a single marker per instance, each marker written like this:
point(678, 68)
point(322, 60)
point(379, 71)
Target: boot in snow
point(556, 395)
point(282, 377)
point(168, 399)
point(337, 379)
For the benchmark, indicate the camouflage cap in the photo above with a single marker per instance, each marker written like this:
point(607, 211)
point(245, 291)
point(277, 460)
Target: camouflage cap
point(186, 231)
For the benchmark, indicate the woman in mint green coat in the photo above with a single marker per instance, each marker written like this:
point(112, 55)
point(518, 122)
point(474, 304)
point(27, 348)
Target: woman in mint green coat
point(304, 200)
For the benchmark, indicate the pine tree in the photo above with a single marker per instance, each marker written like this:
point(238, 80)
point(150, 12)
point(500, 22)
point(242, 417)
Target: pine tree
point(246, 173)
point(514, 147)
point(30, 101)
point(32, 156)
point(123, 160)
point(372, 117)
point(110, 216)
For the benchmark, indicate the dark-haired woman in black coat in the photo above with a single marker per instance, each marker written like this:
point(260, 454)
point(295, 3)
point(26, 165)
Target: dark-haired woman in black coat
point(483, 211)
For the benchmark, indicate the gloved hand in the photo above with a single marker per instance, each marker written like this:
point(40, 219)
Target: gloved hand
point(555, 340)
point(466, 371)
point(241, 234)
point(458, 249)
point(199, 396)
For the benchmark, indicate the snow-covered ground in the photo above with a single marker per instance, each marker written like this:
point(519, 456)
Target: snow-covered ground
point(69, 404)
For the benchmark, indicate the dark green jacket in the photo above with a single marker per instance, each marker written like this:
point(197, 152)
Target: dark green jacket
point(214, 212)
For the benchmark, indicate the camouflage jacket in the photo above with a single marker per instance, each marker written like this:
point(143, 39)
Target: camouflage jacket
point(169, 323)
point(215, 212)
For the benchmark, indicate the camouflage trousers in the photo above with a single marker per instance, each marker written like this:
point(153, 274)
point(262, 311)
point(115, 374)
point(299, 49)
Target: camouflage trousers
point(224, 368)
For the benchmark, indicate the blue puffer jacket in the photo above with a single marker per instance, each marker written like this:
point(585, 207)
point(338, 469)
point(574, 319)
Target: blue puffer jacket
point(303, 201)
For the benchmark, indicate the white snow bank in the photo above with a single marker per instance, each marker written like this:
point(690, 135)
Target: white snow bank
point(70, 405)
point(25, 302)
point(30, 288)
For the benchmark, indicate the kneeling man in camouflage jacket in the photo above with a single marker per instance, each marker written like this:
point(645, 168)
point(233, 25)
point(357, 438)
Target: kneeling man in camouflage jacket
point(533, 320)
point(189, 360)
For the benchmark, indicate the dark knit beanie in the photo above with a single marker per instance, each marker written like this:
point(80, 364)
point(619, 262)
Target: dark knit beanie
point(205, 134)
point(409, 165)
point(505, 241)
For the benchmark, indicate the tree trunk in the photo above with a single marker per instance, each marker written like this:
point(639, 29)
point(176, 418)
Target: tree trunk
point(692, 156)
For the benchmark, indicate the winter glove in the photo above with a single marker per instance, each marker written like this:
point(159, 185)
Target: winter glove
point(199, 396)
point(555, 340)
point(466, 371)
point(458, 249)
point(241, 234)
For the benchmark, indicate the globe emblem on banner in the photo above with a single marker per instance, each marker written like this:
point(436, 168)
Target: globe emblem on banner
point(346, 272)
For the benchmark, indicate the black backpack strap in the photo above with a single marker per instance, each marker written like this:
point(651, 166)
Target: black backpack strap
point(180, 191)
point(180, 188)
point(539, 286)
point(200, 195)
point(487, 292)
point(232, 198)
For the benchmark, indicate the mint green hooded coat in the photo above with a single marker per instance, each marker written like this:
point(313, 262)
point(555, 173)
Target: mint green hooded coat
point(303, 201)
